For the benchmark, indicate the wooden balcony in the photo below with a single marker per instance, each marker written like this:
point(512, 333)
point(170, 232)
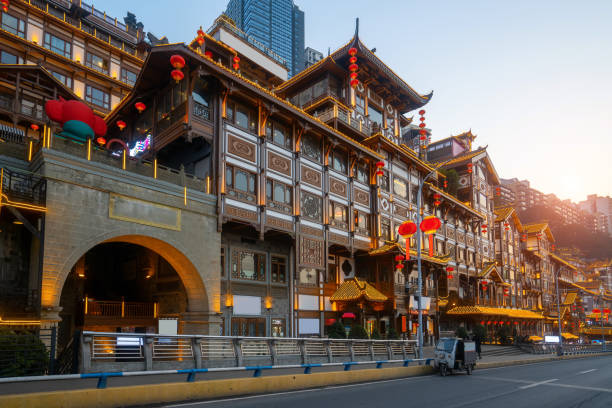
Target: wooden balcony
point(121, 313)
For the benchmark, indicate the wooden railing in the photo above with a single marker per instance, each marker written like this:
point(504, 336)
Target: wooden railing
point(120, 309)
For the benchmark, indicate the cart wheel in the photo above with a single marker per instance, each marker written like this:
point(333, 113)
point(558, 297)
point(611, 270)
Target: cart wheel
point(469, 369)
point(443, 370)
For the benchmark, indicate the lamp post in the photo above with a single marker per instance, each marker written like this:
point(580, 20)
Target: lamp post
point(601, 315)
point(560, 347)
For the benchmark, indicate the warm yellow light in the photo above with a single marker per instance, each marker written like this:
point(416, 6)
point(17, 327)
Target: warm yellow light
point(268, 303)
point(17, 222)
point(229, 300)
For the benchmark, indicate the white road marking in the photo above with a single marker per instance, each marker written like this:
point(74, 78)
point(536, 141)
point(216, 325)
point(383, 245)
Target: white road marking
point(580, 387)
point(524, 387)
point(186, 404)
point(587, 371)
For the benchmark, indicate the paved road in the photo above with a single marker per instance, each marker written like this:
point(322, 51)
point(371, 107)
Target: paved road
point(560, 384)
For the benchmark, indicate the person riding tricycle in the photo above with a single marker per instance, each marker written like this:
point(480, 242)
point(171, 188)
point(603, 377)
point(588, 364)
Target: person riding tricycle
point(455, 354)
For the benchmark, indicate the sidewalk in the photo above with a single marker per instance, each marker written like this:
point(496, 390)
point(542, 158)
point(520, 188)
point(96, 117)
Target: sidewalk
point(428, 352)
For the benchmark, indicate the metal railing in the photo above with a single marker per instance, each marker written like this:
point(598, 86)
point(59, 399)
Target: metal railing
point(129, 351)
point(568, 349)
point(24, 187)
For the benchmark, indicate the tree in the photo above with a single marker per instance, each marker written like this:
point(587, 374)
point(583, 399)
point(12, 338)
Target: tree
point(503, 335)
point(480, 331)
point(336, 331)
point(358, 332)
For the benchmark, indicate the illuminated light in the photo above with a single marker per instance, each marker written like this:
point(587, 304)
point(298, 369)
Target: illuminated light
point(17, 222)
point(185, 194)
point(177, 61)
point(34, 127)
point(155, 168)
point(229, 300)
point(268, 302)
point(236, 59)
point(380, 173)
point(141, 146)
point(30, 151)
point(88, 149)
point(469, 167)
point(354, 82)
point(352, 51)
point(124, 156)
point(140, 107)
point(101, 140)
point(236, 67)
point(177, 75)
point(353, 75)
point(353, 60)
point(353, 67)
point(121, 124)
point(422, 112)
point(208, 54)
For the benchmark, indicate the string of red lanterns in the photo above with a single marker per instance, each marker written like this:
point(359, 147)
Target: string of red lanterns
point(422, 130)
point(469, 167)
point(353, 67)
point(379, 168)
point(200, 38)
point(498, 190)
point(449, 271)
point(5, 5)
point(506, 226)
point(178, 62)
point(399, 259)
point(484, 229)
point(437, 197)
point(236, 65)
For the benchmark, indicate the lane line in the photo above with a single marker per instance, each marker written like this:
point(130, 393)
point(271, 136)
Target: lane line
point(524, 387)
point(221, 400)
point(581, 387)
point(587, 371)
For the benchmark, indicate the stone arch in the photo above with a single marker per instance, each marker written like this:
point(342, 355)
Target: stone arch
point(181, 262)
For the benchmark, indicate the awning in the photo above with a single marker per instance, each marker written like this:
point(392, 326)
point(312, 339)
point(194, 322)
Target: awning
point(569, 336)
point(494, 311)
point(355, 289)
point(570, 298)
point(535, 338)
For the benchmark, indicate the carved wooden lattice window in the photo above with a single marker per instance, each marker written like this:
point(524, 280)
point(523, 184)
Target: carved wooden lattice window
point(249, 265)
point(311, 206)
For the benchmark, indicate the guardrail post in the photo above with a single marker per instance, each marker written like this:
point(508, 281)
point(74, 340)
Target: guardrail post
point(330, 355)
point(86, 342)
point(147, 351)
point(351, 351)
point(273, 357)
point(404, 354)
point(302, 346)
point(238, 351)
point(389, 351)
point(371, 349)
point(197, 351)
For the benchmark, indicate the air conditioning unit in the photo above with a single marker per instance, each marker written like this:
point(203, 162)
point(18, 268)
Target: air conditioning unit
point(347, 268)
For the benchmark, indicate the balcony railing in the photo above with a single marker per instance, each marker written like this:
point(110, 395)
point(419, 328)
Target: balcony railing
point(25, 188)
point(200, 111)
point(120, 309)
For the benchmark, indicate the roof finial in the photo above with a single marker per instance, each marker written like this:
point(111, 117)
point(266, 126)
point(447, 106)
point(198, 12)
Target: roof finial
point(357, 27)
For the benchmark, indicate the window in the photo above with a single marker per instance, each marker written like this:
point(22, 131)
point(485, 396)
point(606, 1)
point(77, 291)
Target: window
point(384, 181)
point(279, 134)
point(241, 116)
point(338, 215)
point(375, 115)
point(8, 58)
point(128, 77)
point(278, 195)
point(64, 79)
point(385, 230)
point(308, 276)
point(278, 327)
point(250, 266)
point(311, 147)
point(97, 97)
point(32, 108)
point(13, 25)
point(360, 103)
point(278, 270)
point(311, 206)
point(362, 172)
point(240, 183)
point(362, 226)
point(96, 62)
point(400, 187)
point(57, 45)
point(248, 327)
point(338, 160)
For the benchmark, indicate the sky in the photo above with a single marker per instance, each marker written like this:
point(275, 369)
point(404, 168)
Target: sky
point(532, 79)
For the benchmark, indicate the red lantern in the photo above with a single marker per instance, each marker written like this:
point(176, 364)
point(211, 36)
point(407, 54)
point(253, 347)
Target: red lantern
point(34, 127)
point(422, 125)
point(353, 67)
point(406, 230)
point(380, 173)
point(515, 323)
point(352, 51)
point(469, 167)
point(422, 118)
point(498, 191)
point(353, 60)
point(495, 322)
point(449, 276)
point(140, 107)
point(399, 258)
point(422, 112)
point(353, 75)
point(429, 226)
point(5, 5)
point(354, 82)
point(506, 226)
point(236, 67)
point(236, 59)
point(200, 41)
point(484, 228)
point(445, 183)
point(449, 269)
point(606, 311)
point(121, 124)
point(539, 235)
point(208, 54)
point(380, 164)
point(596, 311)
point(101, 140)
point(436, 197)
point(177, 61)
point(523, 237)
point(177, 75)
point(482, 322)
point(399, 266)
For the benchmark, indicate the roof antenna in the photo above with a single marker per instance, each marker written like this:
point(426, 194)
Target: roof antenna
point(357, 27)
point(328, 51)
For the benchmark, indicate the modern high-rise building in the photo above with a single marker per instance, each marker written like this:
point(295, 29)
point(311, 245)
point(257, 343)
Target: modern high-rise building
point(601, 207)
point(277, 24)
point(311, 56)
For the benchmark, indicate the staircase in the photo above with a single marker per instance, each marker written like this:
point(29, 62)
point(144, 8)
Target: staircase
point(491, 351)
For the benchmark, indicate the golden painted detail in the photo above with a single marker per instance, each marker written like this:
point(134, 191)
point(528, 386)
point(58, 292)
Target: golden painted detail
point(361, 197)
point(279, 163)
point(240, 213)
point(494, 311)
point(570, 298)
point(241, 148)
point(143, 212)
point(278, 223)
point(337, 187)
point(312, 252)
point(311, 176)
point(356, 289)
point(563, 261)
point(311, 231)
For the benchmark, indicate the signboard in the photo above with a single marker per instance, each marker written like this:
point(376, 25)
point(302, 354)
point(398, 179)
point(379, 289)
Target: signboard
point(414, 302)
point(551, 339)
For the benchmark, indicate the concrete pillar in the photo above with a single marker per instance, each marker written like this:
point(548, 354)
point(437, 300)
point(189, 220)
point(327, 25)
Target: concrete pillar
point(204, 323)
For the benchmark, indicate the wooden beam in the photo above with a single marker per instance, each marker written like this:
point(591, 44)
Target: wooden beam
point(25, 221)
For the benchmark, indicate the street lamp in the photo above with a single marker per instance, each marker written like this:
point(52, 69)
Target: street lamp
point(560, 348)
point(601, 315)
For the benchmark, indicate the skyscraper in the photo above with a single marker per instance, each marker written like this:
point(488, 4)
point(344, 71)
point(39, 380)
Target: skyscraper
point(278, 24)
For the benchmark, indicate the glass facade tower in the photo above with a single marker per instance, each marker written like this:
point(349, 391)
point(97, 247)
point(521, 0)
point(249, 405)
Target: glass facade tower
point(278, 24)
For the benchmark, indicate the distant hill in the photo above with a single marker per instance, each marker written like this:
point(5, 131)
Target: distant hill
point(593, 245)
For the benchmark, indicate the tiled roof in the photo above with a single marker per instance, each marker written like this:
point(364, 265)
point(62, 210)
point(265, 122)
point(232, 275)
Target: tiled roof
point(534, 228)
point(563, 261)
point(355, 289)
point(502, 214)
point(392, 247)
point(467, 156)
point(570, 298)
point(494, 311)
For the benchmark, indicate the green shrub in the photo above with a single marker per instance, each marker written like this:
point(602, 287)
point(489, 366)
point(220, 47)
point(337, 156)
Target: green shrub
point(22, 354)
point(358, 332)
point(502, 334)
point(462, 332)
point(336, 331)
point(375, 335)
point(480, 331)
point(392, 334)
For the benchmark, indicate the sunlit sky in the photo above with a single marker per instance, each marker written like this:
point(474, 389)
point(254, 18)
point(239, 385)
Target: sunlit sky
point(532, 79)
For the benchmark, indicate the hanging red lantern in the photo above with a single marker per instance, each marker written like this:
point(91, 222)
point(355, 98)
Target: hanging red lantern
point(177, 61)
point(34, 127)
point(354, 82)
point(236, 67)
point(380, 173)
point(399, 258)
point(406, 230)
point(399, 266)
point(506, 226)
point(482, 322)
point(498, 190)
point(596, 310)
point(177, 75)
point(380, 164)
point(516, 323)
point(469, 167)
point(352, 51)
point(422, 112)
point(422, 125)
point(449, 270)
point(523, 237)
point(495, 322)
point(5, 5)
point(606, 311)
point(445, 183)
point(208, 54)
point(236, 59)
point(353, 60)
point(353, 75)
point(484, 228)
point(422, 118)
point(140, 107)
point(436, 197)
point(121, 124)
point(101, 140)
point(552, 247)
point(489, 322)
point(429, 226)
point(539, 235)
point(353, 67)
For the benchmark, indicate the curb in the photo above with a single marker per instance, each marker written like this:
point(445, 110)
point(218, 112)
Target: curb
point(145, 395)
point(538, 360)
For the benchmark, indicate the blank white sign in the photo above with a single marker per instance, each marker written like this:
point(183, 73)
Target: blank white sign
point(309, 326)
point(247, 305)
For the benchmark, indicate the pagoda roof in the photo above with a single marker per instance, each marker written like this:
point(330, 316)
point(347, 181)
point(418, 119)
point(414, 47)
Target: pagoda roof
point(534, 228)
point(494, 311)
point(490, 269)
point(456, 201)
point(355, 289)
point(403, 149)
point(65, 92)
point(503, 213)
point(465, 139)
point(380, 77)
point(391, 247)
point(472, 157)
